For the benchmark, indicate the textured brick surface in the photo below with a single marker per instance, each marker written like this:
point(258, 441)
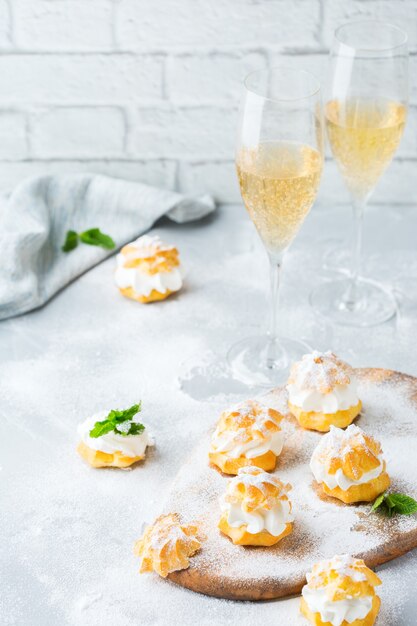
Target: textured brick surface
point(224, 22)
point(150, 90)
point(184, 132)
point(5, 24)
point(79, 78)
point(78, 131)
point(210, 77)
point(63, 24)
point(13, 138)
point(402, 13)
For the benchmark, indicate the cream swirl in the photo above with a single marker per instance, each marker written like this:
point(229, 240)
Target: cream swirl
point(338, 479)
point(144, 247)
point(273, 520)
point(167, 277)
point(336, 444)
point(341, 397)
point(341, 590)
point(143, 283)
point(229, 443)
point(335, 612)
point(128, 445)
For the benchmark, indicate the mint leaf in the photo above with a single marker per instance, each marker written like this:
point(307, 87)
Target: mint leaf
point(135, 429)
point(94, 237)
point(378, 502)
point(71, 241)
point(101, 428)
point(116, 417)
point(389, 502)
point(125, 415)
point(402, 504)
point(395, 503)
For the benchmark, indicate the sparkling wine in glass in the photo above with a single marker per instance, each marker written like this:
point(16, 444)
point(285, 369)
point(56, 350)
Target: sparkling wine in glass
point(365, 114)
point(279, 161)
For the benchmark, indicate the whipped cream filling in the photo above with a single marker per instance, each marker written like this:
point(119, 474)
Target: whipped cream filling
point(273, 520)
point(227, 442)
point(130, 445)
point(336, 612)
point(342, 397)
point(339, 479)
point(143, 283)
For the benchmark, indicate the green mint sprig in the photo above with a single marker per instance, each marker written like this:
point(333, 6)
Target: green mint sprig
point(114, 419)
point(92, 237)
point(71, 241)
point(395, 504)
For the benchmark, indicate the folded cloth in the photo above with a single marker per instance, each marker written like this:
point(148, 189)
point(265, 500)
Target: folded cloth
point(36, 216)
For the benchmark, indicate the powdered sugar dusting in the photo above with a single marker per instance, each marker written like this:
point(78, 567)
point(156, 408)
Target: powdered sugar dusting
point(163, 533)
point(344, 564)
point(69, 530)
point(252, 416)
point(243, 426)
point(339, 441)
point(323, 527)
point(166, 545)
point(338, 444)
point(148, 246)
point(262, 494)
point(321, 371)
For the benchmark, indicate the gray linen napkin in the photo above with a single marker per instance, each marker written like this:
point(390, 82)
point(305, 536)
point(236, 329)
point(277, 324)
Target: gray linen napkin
point(36, 216)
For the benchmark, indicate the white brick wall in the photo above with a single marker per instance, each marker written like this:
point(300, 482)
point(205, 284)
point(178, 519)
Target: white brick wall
point(63, 24)
point(95, 132)
point(148, 89)
point(210, 76)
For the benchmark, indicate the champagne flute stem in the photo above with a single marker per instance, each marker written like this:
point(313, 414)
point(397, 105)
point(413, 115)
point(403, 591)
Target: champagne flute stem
point(274, 352)
point(351, 298)
point(358, 211)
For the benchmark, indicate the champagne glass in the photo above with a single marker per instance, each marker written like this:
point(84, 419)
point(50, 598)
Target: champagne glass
point(279, 161)
point(365, 113)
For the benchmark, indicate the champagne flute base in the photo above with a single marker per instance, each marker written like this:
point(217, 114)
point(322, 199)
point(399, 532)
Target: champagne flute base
point(258, 362)
point(366, 304)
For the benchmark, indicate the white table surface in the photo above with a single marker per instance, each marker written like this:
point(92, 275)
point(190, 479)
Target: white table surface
point(68, 530)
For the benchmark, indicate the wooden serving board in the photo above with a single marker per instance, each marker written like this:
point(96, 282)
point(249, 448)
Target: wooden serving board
point(323, 526)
